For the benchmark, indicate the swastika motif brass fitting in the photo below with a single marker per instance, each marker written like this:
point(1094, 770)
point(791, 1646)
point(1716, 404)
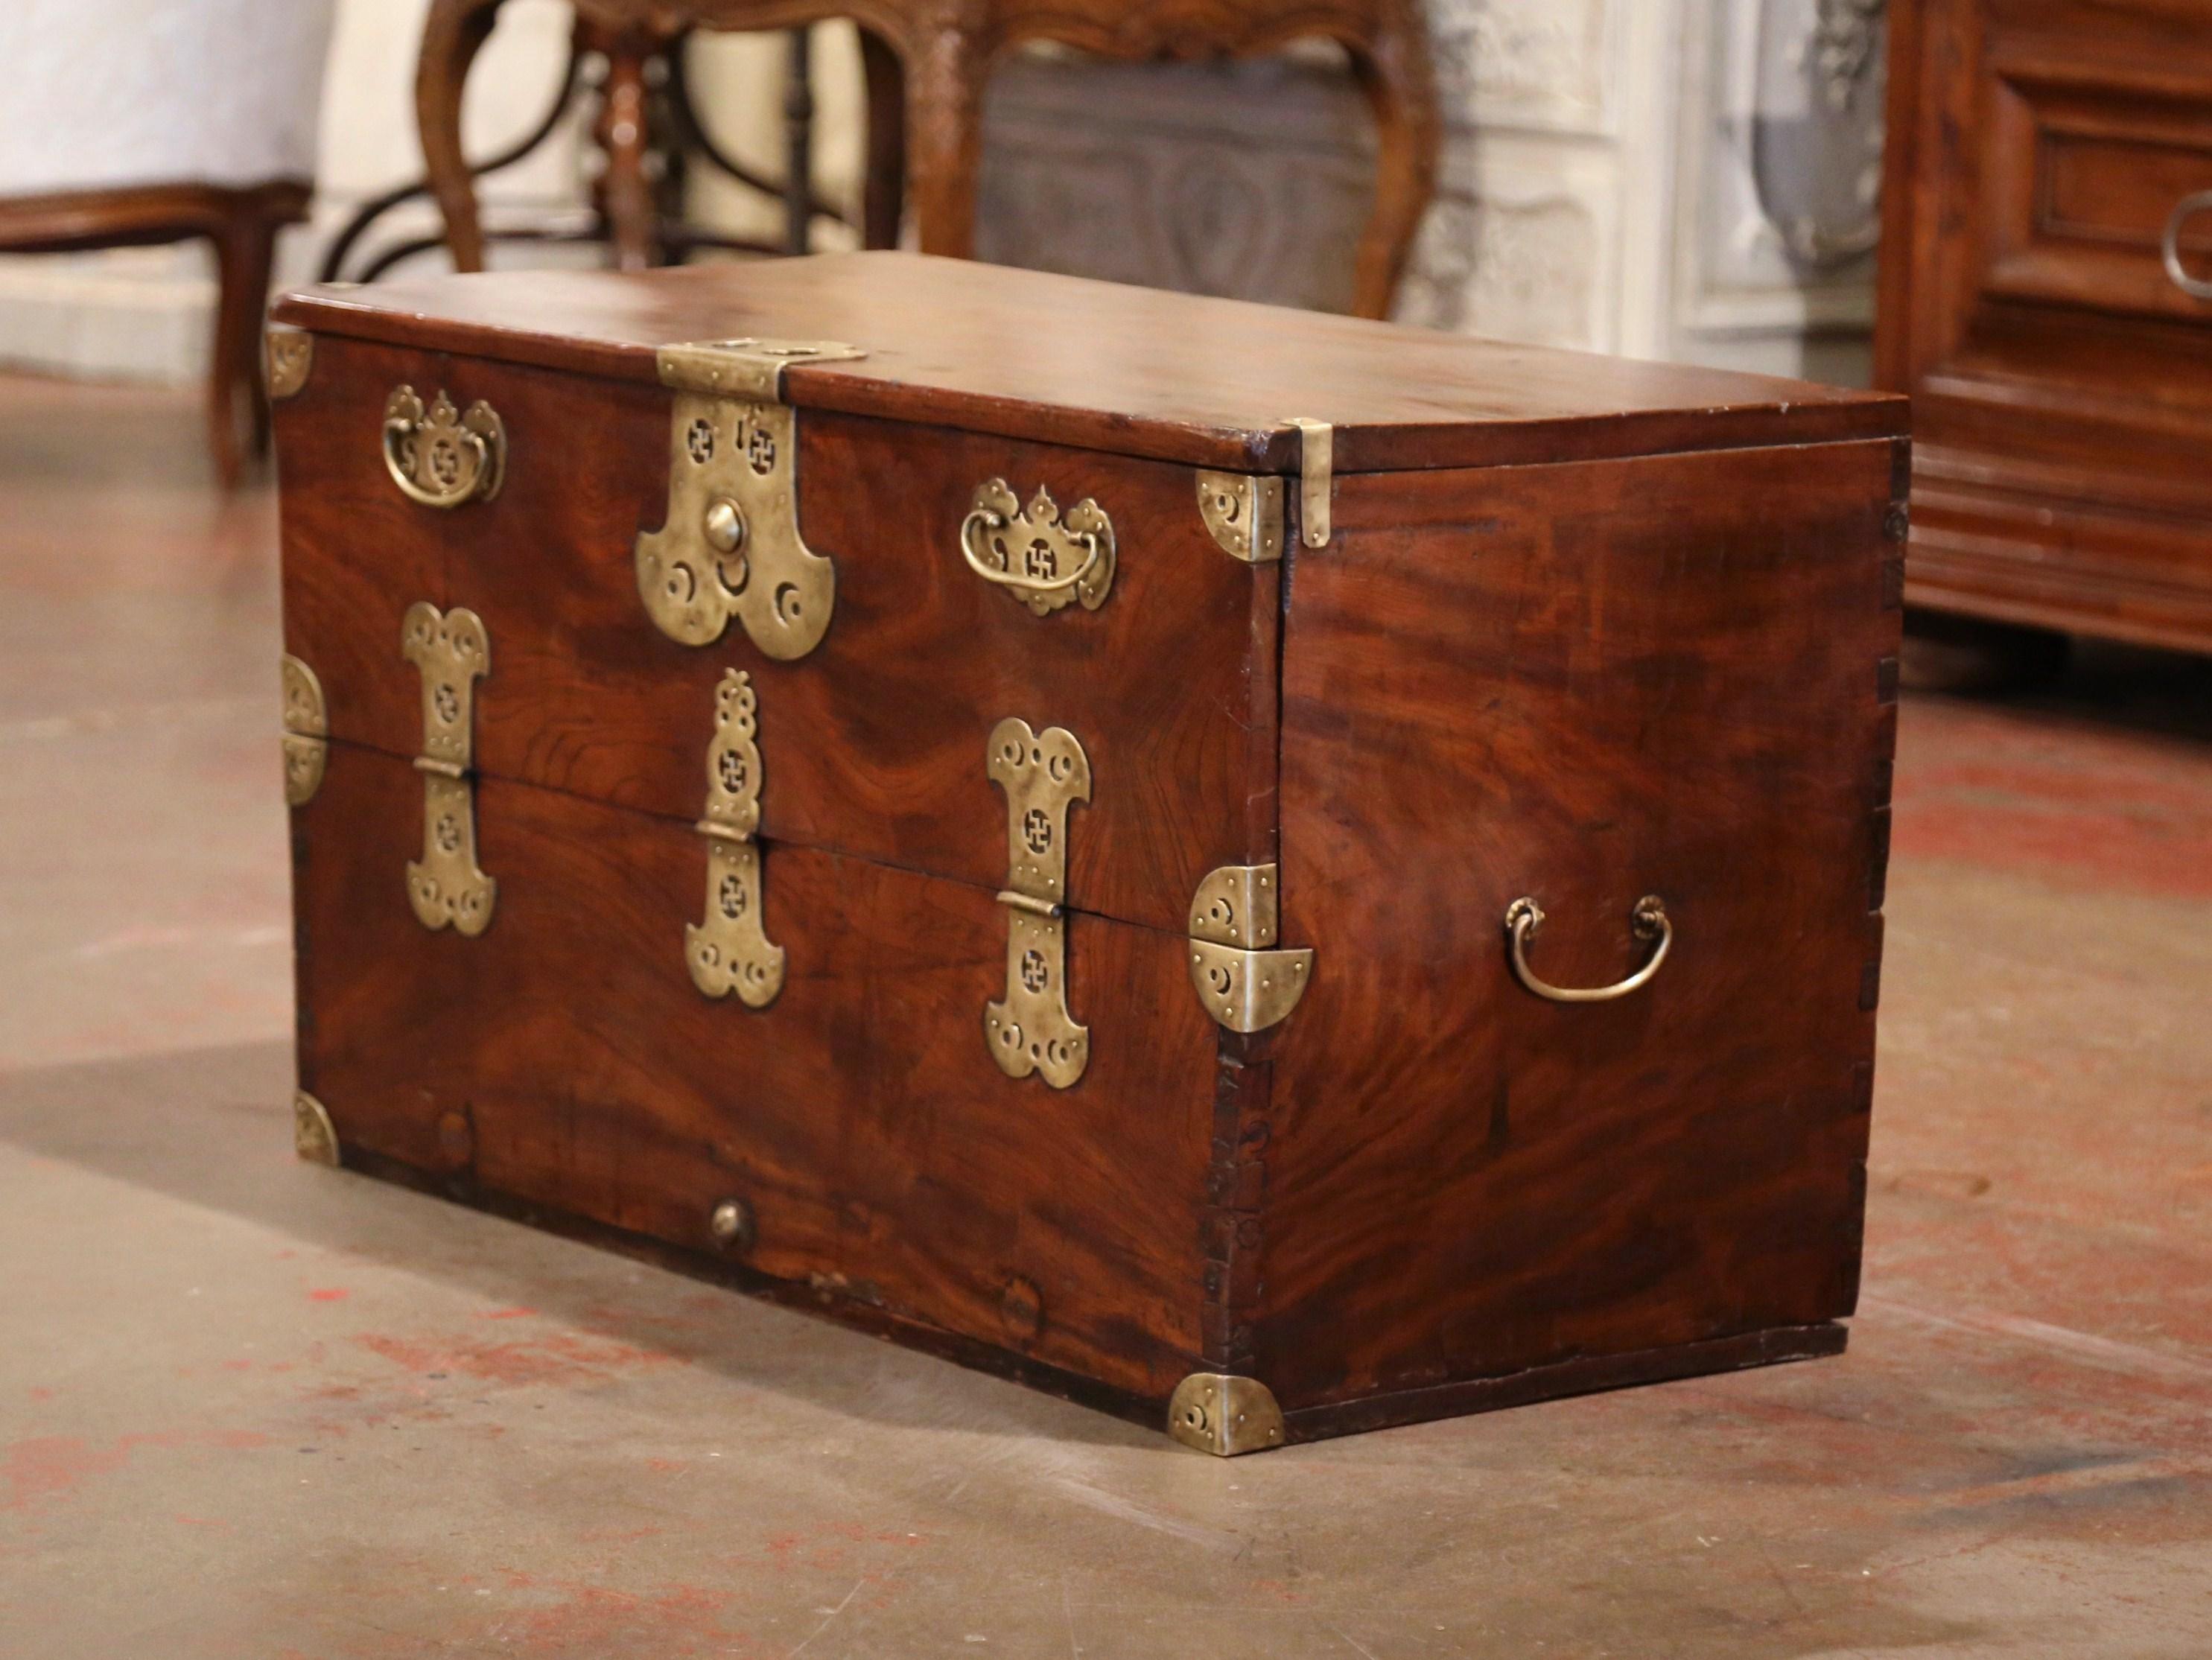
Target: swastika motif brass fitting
point(729, 951)
point(454, 653)
point(1030, 1030)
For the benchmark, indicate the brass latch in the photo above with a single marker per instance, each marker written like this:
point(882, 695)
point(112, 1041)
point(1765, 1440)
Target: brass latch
point(306, 733)
point(730, 545)
point(1031, 1030)
point(454, 653)
point(730, 951)
point(1233, 918)
point(1316, 478)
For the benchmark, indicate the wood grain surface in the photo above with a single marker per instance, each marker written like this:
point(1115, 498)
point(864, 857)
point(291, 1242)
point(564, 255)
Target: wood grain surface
point(1175, 377)
point(564, 1058)
point(1583, 685)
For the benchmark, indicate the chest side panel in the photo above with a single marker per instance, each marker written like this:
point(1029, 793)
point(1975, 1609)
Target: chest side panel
point(1584, 686)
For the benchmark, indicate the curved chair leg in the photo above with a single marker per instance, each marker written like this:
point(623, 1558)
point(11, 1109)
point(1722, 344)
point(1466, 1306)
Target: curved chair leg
point(244, 250)
point(944, 139)
point(884, 192)
point(452, 34)
point(1395, 73)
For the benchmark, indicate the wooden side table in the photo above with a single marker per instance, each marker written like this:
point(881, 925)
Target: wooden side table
point(927, 63)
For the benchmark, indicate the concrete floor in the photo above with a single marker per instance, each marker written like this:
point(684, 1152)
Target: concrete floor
point(252, 1407)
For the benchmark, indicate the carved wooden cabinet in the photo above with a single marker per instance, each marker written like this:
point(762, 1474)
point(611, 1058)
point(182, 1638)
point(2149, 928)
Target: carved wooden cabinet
point(2046, 298)
point(1275, 873)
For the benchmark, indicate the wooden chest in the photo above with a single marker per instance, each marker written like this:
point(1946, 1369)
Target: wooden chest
point(1017, 812)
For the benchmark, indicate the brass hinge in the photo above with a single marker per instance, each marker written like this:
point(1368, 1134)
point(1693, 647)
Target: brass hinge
point(1316, 477)
point(306, 731)
point(1233, 918)
point(1031, 1031)
point(1243, 514)
point(730, 545)
point(454, 653)
point(1225, 1414)
point(730, 951)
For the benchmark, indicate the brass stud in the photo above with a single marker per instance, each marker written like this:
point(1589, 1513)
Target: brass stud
point(726, 525)
point(730, 1225)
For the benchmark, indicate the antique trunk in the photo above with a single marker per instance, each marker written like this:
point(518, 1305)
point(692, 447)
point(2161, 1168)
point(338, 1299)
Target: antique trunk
point(1272, 873)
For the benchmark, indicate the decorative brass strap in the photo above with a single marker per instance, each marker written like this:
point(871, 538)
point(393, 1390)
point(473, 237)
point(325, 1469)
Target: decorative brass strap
point(730, 951)
point(730, 545)
point(1045, 561)
point(1523, 917)
point(1234, 920)
point(443, 457)
point(1030, 1029)
point(453, 651)
point(306, 733)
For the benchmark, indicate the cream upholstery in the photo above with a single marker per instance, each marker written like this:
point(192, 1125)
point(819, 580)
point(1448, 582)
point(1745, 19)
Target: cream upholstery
point(105, 93)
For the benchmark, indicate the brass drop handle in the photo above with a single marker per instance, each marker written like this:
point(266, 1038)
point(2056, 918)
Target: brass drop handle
point(2188, 208)
point(439, 456)
point(1023, 549)
point(1648, 921)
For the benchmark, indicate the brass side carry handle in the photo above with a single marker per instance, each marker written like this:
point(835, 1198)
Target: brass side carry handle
point(2188, 208)
point(1648, 921)
point(1025, 549)
point(439, 456)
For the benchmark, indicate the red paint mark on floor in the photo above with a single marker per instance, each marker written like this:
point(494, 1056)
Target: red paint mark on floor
point(50, 1469)
point(555, 1358)
point(40, 1392)
point(328, 1294)
point(594, 1620)
point(665, 1465)
point(507, 1314)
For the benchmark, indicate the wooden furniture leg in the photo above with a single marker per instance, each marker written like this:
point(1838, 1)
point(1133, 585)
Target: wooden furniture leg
point(452, 34)
point(244, 250)
point(1395, 72)
point(626, 198)
point(945, 140)
point(884, 192)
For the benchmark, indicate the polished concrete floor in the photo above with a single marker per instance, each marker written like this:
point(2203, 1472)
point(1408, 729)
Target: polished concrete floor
point(250, 1407)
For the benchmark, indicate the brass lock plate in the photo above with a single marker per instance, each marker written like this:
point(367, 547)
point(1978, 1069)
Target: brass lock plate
point(306, 733)
point(730, 545)
point(453, 652)
point(729, 951)
point(1046, 560)
point(1234, 919)
point(1029, 1030)
point(438, 456)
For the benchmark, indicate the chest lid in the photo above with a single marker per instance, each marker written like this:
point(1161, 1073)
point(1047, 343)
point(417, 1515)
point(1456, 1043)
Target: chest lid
point(1208, 383)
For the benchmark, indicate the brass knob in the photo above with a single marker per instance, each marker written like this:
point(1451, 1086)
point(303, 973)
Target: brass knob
point(726, 525)
point(730, 1225)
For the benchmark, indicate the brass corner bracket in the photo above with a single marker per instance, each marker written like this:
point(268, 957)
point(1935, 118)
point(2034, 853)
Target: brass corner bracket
point(306, 733)
point(1225, 1414)
point(730, 951)
point(288, 357)
point(315, 1138)
point(730, 544)
point(1031, 1031)
point(1244, 984)
point(1243, 514)
point(454, 653)
point(1316, 478)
